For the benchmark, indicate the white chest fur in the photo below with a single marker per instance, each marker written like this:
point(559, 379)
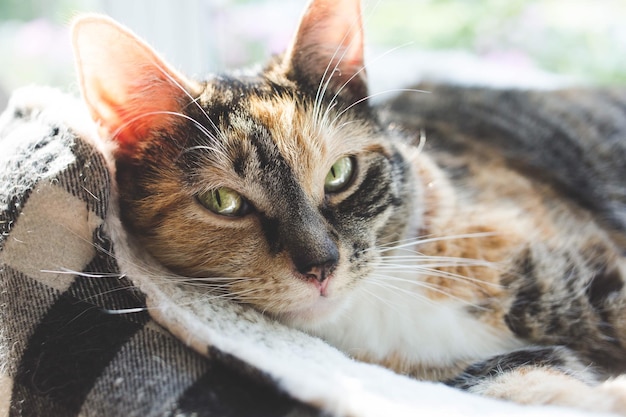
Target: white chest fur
point(400, 321)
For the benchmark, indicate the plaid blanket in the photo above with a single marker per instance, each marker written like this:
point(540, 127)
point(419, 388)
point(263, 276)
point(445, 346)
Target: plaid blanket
point(90, 326)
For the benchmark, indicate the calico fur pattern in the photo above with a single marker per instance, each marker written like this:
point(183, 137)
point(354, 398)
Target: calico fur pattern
point(478, 260)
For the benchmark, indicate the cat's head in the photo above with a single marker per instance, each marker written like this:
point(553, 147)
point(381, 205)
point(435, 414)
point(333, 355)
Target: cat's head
point(277, 186)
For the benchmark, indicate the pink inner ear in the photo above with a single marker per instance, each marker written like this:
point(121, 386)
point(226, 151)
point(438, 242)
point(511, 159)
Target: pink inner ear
point(129, 90)
point(330, 36)
point(130, 115)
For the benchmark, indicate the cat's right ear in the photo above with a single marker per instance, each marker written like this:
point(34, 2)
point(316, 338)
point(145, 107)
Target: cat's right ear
point(129, 90)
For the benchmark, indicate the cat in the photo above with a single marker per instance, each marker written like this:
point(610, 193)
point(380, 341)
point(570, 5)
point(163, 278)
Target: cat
point(460, 236)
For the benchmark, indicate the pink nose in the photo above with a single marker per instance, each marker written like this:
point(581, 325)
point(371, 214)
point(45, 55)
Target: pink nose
point(322, 285)
point(320, 272)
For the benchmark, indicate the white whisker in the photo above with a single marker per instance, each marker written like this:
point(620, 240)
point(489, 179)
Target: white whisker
point(426, 285)
point(421, 241)
point(194, 100)
point(369, 96)
point(445, 274)
point(380, 281)
point(126, 310)
point(67, 271)
point(324, 83)
point(356, 74)
point(209, 280)
point(448, 260)
point(200, 127)
point(379, 298)
point(218, 150)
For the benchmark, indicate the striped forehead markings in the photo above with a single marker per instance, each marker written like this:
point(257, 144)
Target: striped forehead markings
point(276, 175)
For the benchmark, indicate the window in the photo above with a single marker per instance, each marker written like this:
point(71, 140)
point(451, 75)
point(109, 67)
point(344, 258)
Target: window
point(491, 41)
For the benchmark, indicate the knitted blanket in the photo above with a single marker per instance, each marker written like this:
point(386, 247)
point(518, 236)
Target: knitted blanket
point(91, 326)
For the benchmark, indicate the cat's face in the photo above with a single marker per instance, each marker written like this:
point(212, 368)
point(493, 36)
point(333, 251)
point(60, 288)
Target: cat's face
point(277, 187)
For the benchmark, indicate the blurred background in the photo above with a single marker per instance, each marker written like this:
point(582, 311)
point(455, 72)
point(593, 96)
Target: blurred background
point(526, 43)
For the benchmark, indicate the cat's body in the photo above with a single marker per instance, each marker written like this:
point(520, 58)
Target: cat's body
point(485, 259)
point(542, 171)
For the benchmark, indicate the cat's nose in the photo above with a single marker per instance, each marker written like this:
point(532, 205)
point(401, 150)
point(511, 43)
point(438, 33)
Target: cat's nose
point(320, 272)
point(309, 241)
point(317, 261)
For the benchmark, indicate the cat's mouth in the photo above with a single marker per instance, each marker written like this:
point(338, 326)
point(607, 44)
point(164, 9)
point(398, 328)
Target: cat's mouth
point(320, 304)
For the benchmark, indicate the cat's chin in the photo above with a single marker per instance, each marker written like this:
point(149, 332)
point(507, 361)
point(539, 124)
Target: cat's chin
point(321, 311)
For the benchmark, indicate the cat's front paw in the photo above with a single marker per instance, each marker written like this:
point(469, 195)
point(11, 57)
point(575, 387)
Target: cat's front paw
point(615, 389)
point(545, 386)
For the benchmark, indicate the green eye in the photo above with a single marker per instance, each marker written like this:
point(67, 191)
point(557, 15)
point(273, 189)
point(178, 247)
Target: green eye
point(224, 201)
point(339, 175)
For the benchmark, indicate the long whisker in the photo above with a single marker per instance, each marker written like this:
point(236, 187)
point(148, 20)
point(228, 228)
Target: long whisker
point(67, 271)
point(410, 263)
point(356, 74)
point(433, 272)
point(205, 297)
point(448, 260)
point(325, 82)
point(232, 295)
point(421, 241)
point(133, 310)
point(200, 127)
point(217, 150)
point(184, 90)
point(428, 286)
point(444, 274)
point(380, 282)
point(213, 286)
point(378, 297)
point(210, 280)
point(369, 96)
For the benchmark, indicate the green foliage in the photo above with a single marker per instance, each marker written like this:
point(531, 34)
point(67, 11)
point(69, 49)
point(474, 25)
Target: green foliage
point(583, 38)
point(18, 9)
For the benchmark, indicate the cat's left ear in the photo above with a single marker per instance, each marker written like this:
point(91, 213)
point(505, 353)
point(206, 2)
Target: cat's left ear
point(328, 48)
